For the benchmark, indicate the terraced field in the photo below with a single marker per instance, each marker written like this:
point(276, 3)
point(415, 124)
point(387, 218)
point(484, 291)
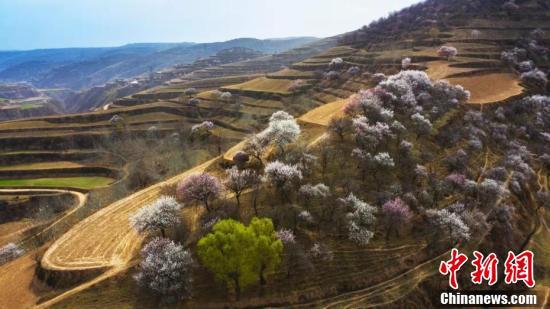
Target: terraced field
point(263, 85)
point(85, 183)
point(114, 243)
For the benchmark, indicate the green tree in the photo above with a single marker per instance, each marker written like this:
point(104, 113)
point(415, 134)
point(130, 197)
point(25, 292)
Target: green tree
point(268, 248)
point(239, 255)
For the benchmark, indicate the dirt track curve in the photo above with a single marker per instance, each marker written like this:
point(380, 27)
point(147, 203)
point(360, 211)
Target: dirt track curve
point(106, 239)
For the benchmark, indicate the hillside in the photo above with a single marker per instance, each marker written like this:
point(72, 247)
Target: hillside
point(376, 169)
point(83, 68)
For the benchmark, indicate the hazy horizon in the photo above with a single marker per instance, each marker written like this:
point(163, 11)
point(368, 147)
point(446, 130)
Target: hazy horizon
point(46, 24)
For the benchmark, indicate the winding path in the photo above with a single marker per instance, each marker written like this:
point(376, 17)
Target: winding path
point(81, 200)
point(106, 239)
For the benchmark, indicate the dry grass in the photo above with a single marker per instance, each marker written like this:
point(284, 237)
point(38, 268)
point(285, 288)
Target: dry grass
point(323, 114)
point(264, 84)
point(490, 88)
point(16, 280)
point(41, 166)
point(10, 230)
point(442, 69)
point(106, 239)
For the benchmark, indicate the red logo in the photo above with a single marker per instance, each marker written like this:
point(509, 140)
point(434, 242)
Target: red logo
point(452, 266)
point(520, 268)
point(516, 268)
point(485, 269)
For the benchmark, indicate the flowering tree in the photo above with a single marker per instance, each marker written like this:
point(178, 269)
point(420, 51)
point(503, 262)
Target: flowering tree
point(378, 78)
point(203, 129)
point(237, 181)
point(371, 136)
point(282, 176)
point(336, 63)
point(475, 34)
point(193, 102)
point(450, 224)
point(406, 63)
point(199, 187)
point(456, 180)
point(489, 191)
point(448, 52)
point(422, 125)
point(286, 236)
point(297, 85)
point(526, 66)
point(160, 215)
point(10, 252)
point(295, 255)
point(332, 75)
point(226, 96)
point(310, 192)
point(166, 268)
point(535, 79)
point(339, 126)
point(282, 130)
point(396, 214)
point(374, 164)
point(321, 252)
point(510, 7)
point(361, 219)
point(354, 71)
point(255, 146)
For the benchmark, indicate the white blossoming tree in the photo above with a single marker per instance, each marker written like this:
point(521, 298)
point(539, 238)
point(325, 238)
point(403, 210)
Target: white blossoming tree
point(282, 176)
point(166, 268)
point(157, 216)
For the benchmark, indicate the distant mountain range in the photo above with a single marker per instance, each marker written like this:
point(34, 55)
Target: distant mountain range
point(80, 68)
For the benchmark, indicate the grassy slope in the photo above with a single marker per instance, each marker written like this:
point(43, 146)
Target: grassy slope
point(86, 183)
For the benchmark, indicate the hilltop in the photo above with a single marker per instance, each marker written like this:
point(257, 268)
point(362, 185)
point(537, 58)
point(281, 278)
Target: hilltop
point(371, 154)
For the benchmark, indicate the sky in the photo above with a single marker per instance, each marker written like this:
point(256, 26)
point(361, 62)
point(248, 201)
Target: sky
point(32, 24)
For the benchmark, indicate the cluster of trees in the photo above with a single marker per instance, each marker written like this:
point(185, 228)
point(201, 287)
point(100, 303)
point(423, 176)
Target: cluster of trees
point(428, 15)
point(526, 56)
point(382, 130)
